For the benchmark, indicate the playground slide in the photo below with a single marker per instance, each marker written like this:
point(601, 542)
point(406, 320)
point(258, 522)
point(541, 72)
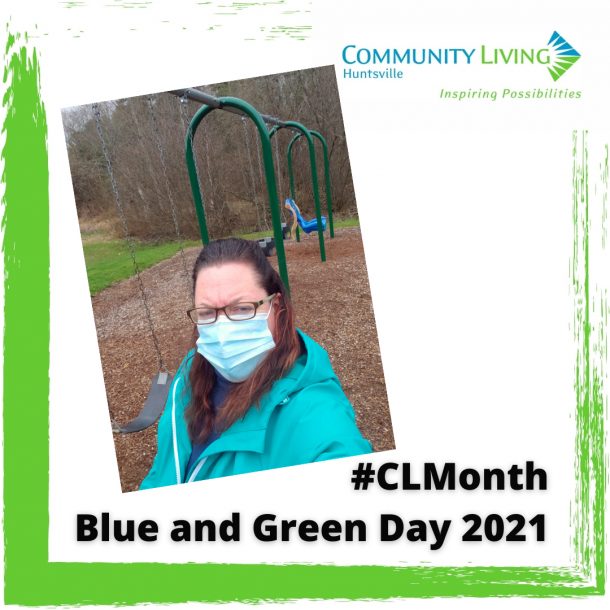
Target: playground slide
point(306, 225)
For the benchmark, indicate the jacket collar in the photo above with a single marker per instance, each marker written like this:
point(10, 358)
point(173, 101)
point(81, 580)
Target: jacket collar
point(248, 433)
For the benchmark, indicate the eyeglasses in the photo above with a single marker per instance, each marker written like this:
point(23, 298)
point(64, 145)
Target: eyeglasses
point(237, 312)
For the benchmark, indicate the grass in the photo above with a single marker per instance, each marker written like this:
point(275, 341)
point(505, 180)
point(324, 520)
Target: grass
point(346, 223)
point(108, 260)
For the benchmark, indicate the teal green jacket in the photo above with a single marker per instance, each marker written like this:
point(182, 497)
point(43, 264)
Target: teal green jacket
point(304, 418)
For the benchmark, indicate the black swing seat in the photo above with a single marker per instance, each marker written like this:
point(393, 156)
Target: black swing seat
point(153, 407)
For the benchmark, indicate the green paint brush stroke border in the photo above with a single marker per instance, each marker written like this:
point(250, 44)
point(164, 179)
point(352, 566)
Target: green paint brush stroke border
point(30, 580)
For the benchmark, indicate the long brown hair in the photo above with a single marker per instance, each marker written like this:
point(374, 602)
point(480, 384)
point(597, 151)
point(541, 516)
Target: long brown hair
point(200, 414)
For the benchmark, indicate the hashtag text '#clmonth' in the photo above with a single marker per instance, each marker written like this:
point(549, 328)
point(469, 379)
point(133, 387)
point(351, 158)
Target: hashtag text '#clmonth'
point(430, 476)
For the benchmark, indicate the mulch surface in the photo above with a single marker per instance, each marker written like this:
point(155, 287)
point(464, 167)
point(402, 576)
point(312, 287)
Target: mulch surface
point(333, 305)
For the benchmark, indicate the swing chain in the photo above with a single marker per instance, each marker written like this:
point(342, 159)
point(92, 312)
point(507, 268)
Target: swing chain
point(128, 238)
point(184, 118)
point(169, 193)
point(183, 101)
point(262, 179)
point(279, 173)
point(259, 224)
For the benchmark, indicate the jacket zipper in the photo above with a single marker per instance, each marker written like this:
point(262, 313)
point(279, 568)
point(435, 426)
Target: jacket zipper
point(174, 434)
point(197, 469)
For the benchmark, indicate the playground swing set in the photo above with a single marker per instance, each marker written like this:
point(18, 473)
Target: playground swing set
point(159, 389)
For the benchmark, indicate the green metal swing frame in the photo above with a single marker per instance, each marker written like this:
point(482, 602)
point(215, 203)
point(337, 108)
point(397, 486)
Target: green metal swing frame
point(329, 207)
point(249, 111)
point(243, 108)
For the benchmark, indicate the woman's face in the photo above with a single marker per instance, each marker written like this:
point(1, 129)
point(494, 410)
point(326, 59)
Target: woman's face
point(231, 283)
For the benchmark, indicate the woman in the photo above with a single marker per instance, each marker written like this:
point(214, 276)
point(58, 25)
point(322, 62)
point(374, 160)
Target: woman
point(257, 393)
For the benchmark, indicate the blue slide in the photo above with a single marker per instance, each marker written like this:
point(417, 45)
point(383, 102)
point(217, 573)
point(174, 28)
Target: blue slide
point(306, 225)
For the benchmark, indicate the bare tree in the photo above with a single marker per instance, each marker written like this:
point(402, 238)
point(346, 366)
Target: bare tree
point(145, 138)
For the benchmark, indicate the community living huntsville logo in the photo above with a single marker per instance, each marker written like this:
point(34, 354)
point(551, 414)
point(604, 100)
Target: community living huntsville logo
point(564, 55)
point(558, 57)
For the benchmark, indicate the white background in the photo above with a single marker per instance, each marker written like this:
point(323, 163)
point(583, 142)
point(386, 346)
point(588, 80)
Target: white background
point(465, 210)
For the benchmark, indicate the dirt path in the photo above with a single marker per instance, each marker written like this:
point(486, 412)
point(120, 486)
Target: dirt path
point(333, 305)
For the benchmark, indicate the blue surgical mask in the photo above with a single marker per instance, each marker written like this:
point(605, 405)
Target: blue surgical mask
point(235, 349)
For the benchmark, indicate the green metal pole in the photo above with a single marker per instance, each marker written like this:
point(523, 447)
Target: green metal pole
point(252, 113)
point(274, 203)
point(329, 205)
point(192, 170)
point(291, 177)
point(290, 172)
point(314, 177)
